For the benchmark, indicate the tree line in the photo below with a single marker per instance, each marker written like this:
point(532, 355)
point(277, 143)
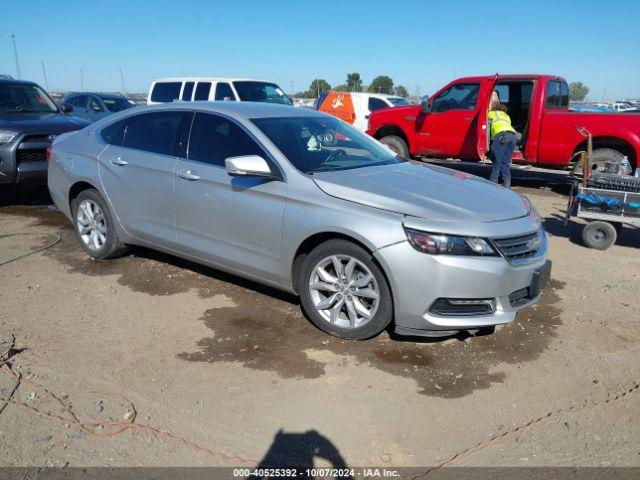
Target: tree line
point(380, 84)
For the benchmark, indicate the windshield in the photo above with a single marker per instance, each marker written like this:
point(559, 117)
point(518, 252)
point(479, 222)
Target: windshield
point(399, 101)
point(115, 104)
point(16, 97)
point(261, 92)
point(321, 144)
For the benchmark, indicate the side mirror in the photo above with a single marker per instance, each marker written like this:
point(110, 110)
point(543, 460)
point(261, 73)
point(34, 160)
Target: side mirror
point(249, 166)
point(425, 104)
point(66, 108)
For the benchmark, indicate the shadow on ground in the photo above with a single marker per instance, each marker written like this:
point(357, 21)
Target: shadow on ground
point(266, 330)
point(301, 452)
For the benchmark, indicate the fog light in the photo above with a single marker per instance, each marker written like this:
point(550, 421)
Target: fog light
point(452, 307)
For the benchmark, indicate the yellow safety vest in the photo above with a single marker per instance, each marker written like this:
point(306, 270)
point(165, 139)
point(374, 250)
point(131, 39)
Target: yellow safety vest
point(500, 122)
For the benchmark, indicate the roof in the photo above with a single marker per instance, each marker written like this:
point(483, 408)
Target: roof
point(241, 109)
point(103, 95)
point(516, 76)
point(5, 81)
point(209, 79)
point(368, 94)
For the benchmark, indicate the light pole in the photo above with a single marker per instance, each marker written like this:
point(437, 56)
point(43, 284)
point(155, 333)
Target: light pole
point(44, 72)
point(124, 89)
point(15, 53)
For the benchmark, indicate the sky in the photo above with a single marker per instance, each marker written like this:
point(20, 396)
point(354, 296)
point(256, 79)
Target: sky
point(420, 44)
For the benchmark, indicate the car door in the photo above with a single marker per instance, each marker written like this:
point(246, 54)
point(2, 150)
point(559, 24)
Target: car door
point(234, 222)
point(137, 175)
point(448, 129)
point(80, 107)
point(372, 104)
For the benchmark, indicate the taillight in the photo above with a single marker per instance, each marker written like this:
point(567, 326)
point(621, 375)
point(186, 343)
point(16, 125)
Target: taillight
point(48, 156)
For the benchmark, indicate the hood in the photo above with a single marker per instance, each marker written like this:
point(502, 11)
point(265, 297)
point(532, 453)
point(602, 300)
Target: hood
point(41, 122)
point(425, 191)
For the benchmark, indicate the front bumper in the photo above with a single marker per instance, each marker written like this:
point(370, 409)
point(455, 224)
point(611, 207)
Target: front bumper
point(418, 280)
point(24, 159)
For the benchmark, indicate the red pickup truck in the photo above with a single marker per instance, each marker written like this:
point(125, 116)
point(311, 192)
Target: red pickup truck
point(453, 123)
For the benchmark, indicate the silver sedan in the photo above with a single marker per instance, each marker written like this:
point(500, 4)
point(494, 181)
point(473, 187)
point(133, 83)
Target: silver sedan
point(303, 202)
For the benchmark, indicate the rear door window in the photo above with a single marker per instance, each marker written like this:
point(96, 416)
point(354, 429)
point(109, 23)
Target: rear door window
point(153, 132)
point(376, 104)
point(202, 91)
point(224, 92)
point(166, 92)
point(214, 139)
point(114, 133)
point(187, 91)
point(557, 94)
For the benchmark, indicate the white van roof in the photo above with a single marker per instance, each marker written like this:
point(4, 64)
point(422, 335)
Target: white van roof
point(209, 79)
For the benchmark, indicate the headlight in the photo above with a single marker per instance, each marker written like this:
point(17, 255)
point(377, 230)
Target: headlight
point(436, 243)
point(7, 136)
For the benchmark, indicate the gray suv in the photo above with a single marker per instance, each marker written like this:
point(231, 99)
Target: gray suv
point(303, 202)
point(29, 121)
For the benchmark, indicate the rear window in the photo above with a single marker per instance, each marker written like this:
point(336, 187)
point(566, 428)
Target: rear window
point(166, 91)
point(557, 94)
point(153, 132)
point(250, 91)
point(114, 104)
point(376, 104)
point(224, 92)
point(202, 91)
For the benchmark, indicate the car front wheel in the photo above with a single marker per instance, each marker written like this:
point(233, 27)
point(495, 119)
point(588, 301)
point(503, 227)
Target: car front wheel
point(344, 292)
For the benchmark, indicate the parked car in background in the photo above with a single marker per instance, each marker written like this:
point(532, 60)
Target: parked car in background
point(302, 201)
point(355, 107)
point(29, 121)
point(453, 123)
point(94, 106)
point(207, 89)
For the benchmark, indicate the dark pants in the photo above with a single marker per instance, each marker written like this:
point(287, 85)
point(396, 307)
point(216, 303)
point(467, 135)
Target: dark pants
point(502, 147)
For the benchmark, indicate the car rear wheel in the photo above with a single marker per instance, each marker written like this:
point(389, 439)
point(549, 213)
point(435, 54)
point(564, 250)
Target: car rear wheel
point(95, 227)
point(344, 292)
point(397, 145)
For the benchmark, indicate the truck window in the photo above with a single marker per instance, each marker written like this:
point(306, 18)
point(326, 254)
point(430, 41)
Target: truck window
point(557, 94)
point(461, 96)
point(503, 93)
point(166, 91)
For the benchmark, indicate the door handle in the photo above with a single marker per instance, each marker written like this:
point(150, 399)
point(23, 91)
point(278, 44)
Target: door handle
point(188, 175)
point(119, 161)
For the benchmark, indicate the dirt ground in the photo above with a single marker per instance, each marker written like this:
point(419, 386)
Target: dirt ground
point(152, 360)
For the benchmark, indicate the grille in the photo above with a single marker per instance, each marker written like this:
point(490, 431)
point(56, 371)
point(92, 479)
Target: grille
point(523, 248)
point(36, 138)
point(31, 155)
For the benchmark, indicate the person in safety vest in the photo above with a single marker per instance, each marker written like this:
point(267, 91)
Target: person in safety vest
point(503, 143)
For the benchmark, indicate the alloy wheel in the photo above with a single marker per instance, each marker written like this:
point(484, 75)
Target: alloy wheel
point(344, 291)
point(92, 225)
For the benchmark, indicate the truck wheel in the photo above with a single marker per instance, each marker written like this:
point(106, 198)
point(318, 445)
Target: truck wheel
point(601, 155)
point(397, 144)
point(599, 235)
point(343, 291)
point(95, 227)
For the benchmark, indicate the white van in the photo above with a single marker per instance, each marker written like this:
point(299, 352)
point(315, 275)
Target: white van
point(355, 107)
point(167, 90)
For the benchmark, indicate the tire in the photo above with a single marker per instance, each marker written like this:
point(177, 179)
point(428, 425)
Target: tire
point(601, 155)
point(349, 307)
point(613, 181)
point(599, 235)
point(397, 144)
point(94, 226)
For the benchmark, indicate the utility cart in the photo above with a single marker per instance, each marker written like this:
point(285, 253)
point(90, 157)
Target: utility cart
point(606, 200)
